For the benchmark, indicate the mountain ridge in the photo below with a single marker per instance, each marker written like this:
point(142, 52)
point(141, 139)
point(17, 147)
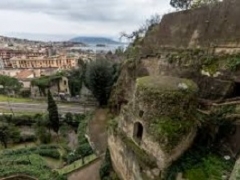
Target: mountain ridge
point(94, 40)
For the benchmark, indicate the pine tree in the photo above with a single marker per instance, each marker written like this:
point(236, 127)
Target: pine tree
point(53, 113)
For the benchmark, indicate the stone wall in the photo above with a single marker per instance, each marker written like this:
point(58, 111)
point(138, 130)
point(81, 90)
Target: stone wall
point(214, 26)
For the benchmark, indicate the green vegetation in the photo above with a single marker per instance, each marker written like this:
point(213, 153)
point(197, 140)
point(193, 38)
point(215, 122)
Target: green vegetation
point(169, 132)
point(33, 159)
point(4, 98)
point(43, 150)
point(202, 59)
point(106, 171)
point(8, 132)
point(76, 78)
point(200, 163)
point(99, 78)
point(186, 4)
point(77, 165)
point(53, 113)
point(205, 160)
point(9, 85)
point(144, 159)
point(44, 82)
point(32, 165)
point(83, 149)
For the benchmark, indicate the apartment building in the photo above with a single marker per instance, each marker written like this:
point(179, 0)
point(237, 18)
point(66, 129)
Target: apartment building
point(60, 61)
point(7, 54)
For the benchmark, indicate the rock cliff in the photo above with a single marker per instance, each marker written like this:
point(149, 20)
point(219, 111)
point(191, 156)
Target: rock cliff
point(180, 91)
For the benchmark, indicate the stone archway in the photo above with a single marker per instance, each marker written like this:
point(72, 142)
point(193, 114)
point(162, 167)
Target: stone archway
point(138, 132)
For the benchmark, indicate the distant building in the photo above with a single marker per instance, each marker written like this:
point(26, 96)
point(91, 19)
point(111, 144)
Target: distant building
point(6, 54)
point(62, 62)
point(25, 78)
point(57, 86)
point(1, 64)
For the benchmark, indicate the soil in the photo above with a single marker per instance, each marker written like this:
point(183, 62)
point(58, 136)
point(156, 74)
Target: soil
point(90, 172)
point(97, 131)
point(73, 140)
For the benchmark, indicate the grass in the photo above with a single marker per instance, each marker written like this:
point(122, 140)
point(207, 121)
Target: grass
point(77, 165)
point(200, 164)
point(17, 99)
point(18, 146)
point(53, 163)
point(4, 98)
point(20, 112)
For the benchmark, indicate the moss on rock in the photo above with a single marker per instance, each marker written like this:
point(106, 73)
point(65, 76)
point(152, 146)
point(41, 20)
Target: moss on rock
point(145, 160)
point(169, 106)
point(169, 132)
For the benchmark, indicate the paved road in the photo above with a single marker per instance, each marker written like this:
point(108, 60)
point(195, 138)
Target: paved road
point(42, 107)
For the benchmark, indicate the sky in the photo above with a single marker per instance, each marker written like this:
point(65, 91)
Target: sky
point(64, 19)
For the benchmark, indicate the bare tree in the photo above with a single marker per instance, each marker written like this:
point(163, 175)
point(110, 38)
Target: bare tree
point(149, 23)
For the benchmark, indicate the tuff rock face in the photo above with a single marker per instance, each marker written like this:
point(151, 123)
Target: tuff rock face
point(154, 128)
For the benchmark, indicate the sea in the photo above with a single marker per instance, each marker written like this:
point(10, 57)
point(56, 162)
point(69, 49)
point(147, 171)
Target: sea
point(105, 48)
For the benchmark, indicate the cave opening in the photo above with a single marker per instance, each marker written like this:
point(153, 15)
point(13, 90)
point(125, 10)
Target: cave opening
point(141, 113)
point(138, 132)
point(236, 91)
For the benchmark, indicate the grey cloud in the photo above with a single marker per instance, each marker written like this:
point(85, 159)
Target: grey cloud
point(81, 10)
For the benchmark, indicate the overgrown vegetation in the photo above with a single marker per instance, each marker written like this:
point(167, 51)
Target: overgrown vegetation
point(201, 59)
point(20, 160)
point(206, 159)
point(8, 132)
point(76, 78)
point(187, 4)
point(169, 132)
point(32, 165)
point(83, 149)
point(44, 82)
point(9, 85)
point(144, 159)
point(53, 113)
point(100, 77)
point(106, 171)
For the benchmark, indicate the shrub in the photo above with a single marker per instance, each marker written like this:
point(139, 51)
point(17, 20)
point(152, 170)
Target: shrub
point(43, 135)
point(64, 129)
point(52, 153)
point(26, 93)
point(84, 150)
point(106, 167)
point(27, 138)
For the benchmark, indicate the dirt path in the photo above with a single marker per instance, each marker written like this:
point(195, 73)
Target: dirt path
point(73, 140)
point(97, 131)
point(91, 172)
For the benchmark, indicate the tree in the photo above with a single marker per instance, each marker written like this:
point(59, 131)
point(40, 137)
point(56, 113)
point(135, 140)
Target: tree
point(187, 4)
point(9, 84)
point(181, 4)
point(8, 132)
point(43, 135)
point(53, 113)
point(99, 78)
point(135, 36)
point(106, 167)
point(199, 3)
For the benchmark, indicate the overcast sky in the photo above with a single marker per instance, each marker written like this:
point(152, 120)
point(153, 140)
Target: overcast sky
point(75, 17)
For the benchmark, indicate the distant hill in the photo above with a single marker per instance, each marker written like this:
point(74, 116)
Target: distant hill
point(12, 41)
point(94, 40)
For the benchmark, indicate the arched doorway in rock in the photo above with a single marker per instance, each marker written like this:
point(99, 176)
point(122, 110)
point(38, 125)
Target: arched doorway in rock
point(138, 132)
